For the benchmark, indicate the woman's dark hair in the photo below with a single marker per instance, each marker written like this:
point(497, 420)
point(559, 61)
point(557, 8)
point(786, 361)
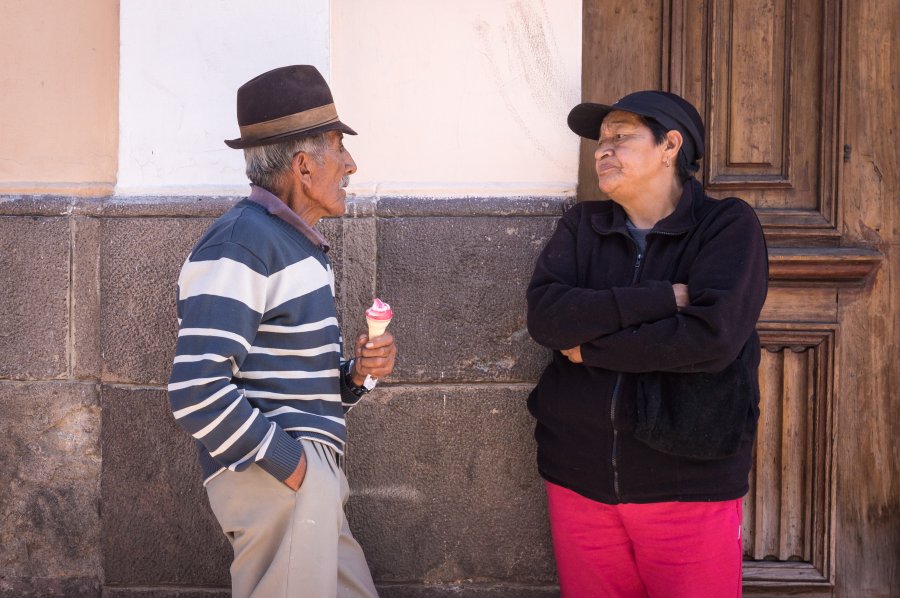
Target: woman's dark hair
point(683, 169)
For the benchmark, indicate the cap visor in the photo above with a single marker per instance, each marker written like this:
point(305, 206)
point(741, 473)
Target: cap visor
point(585, 119)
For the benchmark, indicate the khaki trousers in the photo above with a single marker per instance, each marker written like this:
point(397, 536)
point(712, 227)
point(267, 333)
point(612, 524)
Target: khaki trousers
point(286, 543)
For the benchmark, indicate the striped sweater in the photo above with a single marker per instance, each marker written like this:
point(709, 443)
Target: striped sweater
point(258, 361)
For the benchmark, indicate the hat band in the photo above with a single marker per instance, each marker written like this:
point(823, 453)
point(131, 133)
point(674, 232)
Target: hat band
point(297, 122)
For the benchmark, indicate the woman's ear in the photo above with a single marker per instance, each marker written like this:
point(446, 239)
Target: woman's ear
point(674, 141)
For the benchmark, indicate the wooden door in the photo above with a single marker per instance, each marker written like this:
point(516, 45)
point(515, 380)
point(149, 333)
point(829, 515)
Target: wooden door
point(801, 118)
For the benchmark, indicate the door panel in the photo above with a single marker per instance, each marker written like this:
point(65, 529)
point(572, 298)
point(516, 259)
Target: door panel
point(766, 76)
point(764, 73)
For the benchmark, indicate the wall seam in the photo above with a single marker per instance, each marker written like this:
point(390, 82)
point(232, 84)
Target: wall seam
point(70, 300)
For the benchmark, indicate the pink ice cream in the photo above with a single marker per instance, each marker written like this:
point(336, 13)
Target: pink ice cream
point(378, 317)
point(379, 310)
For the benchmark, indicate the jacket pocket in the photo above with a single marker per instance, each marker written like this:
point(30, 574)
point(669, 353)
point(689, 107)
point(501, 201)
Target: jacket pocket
point(704, 415)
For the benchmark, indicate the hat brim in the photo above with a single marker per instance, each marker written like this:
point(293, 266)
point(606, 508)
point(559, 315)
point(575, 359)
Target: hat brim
point(332, 126)
point(585, 119)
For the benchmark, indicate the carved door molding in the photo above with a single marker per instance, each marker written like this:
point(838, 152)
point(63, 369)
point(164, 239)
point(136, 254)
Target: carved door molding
point(788, 513)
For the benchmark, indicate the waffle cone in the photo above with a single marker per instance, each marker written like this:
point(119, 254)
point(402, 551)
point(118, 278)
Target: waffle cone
point(377, 327)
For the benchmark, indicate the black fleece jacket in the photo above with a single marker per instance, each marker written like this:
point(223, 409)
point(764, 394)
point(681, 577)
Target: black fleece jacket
point(591, 289)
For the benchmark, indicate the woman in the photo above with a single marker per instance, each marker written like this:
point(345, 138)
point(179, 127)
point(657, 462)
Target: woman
point(653, 296)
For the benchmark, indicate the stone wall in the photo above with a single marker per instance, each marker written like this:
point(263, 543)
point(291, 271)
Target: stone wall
point(101, 492)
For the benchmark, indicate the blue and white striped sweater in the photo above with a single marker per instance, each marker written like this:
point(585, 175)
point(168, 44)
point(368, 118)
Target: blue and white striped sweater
point(258, 359)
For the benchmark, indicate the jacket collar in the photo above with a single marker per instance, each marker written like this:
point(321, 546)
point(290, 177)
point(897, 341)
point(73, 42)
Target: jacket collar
point(678, 222)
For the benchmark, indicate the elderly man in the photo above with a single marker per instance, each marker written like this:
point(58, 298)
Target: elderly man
point(258, 379)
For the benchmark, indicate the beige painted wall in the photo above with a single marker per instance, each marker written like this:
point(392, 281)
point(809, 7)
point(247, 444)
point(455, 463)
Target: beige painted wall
point(59, 62)
point(459, 98)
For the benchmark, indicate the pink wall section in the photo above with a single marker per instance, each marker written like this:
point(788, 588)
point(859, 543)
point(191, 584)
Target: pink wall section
point(59, 62)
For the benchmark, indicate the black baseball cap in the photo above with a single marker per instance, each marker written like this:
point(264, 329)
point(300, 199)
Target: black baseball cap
point(671, 110)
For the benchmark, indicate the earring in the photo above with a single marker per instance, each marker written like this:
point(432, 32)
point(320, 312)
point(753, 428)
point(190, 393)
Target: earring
point(667, 162)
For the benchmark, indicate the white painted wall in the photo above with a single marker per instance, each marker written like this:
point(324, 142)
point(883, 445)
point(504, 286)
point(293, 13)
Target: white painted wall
point(468, 97)
point(450, 98)
point(181, 63)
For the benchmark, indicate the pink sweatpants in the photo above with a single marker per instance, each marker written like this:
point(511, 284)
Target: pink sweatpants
point(657, 550)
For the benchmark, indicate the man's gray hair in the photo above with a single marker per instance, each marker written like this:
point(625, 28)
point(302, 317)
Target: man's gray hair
point(266, 163)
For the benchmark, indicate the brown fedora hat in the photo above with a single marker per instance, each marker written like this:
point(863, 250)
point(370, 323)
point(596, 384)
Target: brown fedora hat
point(285, 103)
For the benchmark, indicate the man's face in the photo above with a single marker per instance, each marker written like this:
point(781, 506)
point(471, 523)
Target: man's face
point(330, 173)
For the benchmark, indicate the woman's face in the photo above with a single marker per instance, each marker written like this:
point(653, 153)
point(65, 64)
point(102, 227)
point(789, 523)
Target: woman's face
point(627, 156)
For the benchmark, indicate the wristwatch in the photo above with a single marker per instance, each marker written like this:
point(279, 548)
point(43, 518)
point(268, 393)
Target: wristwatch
point(368, 384)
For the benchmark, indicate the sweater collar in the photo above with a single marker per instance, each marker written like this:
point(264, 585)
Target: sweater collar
point(678, 222)
point(280, 210)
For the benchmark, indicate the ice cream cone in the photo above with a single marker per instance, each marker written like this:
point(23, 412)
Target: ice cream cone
point(378, 317)
point(377, 327)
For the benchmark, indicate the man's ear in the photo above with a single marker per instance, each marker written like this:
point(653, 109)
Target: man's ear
point(301, 164)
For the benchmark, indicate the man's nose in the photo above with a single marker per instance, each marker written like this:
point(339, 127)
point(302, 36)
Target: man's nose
point(350, 165)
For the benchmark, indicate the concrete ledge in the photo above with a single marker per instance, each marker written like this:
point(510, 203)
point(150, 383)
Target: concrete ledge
point(114, 207)
point(472, 206)
point(213, 206)
point(168, 207)
point(45, 205)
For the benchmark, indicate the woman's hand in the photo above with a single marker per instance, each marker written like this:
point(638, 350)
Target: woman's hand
point(574, 354)
point(682, 299)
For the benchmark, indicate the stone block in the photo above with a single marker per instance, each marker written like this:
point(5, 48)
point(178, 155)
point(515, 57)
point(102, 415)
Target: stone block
point(457, 286)
point(333, 231)
point(357, 276)
point(445, 486)
point(50, 467)
point(157, 526)
point(140, 262)
point(85, 328)
point(34, 313)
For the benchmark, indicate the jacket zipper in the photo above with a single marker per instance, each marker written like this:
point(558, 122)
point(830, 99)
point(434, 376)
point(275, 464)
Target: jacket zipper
point(615, 394)
point(638, 267)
